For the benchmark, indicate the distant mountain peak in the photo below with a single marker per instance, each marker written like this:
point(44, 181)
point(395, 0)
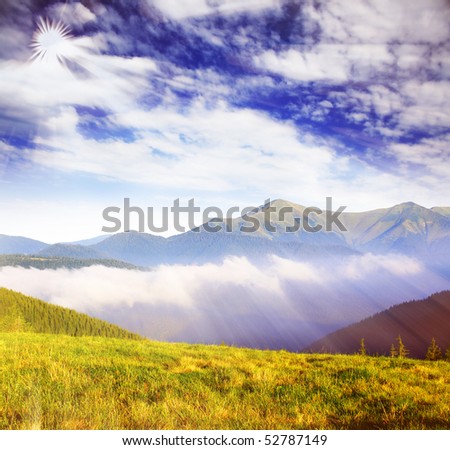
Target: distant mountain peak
point(408, 205)
point(281, 203)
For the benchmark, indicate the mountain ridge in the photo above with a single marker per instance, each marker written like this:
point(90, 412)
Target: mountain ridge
point(416, 321)
point(406, 228)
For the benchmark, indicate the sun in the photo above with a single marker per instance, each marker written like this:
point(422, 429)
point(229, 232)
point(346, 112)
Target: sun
point(52, 42)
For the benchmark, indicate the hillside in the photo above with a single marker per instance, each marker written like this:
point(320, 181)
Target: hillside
point(133, 383)
point(417, 322)
point(19, 313)
point(60, 382)
point(73, 251)
point(55, 262)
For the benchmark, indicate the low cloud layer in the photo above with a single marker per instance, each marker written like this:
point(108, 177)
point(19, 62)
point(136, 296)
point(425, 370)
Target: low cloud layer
point(281, 304)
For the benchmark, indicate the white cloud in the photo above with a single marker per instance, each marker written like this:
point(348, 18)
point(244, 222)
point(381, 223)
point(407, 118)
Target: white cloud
point(72, 13)
point(97, 287)
point(177, 10)
point(181, 10)
point(333, 62)
point(226, 152)
point(385, 101)
point(95, 79)
point(360, 267)
point(294, 270)
point(382, 21)
point(208, 149)
point(432, 154)
point(427, 105)
point(235, 300)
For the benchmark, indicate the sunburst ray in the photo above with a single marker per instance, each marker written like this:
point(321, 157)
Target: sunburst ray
point(51, 41)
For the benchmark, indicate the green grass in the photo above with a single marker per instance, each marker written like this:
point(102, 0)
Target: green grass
point(62, 382)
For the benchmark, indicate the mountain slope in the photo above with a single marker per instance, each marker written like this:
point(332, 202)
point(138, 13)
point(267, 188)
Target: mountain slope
point(19, 313)
point(417, 322)
point(91, 241)
point(73, 251)
point(56, 262)
point(19, 244)
point(406, 228)
point(133, 247)
point(443, 210)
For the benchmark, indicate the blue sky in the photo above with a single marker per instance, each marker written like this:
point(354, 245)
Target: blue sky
point(227, 101)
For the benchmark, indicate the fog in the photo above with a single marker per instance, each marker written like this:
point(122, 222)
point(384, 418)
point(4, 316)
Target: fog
point(283, 304)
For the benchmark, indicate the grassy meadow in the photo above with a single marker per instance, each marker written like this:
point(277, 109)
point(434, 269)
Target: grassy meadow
point(64, 382)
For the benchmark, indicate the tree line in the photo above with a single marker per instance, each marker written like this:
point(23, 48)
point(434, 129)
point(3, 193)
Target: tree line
point(21, 313)
point(399, 350)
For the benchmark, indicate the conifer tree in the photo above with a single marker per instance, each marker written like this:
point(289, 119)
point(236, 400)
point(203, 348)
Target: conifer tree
point(403, 352)
point(434, 352)
point(447, 354)
point(362, 348)
point(393, 352)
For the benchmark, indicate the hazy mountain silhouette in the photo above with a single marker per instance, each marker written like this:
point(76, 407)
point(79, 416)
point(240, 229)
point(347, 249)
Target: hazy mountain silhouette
point(91, 241)
point(19, 244)
point(417, 322)
point(133, 247)
point(73, 251)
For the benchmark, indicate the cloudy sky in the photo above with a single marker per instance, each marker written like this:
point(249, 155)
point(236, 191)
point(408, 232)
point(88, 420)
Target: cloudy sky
point(227, 101)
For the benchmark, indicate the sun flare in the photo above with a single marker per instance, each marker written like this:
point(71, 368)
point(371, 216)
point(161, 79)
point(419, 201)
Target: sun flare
point(52, 42)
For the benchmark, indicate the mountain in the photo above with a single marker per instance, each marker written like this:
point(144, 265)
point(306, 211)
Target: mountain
point(91, 241)
point(407, 228)
point(444, 211)
point(73, 251)
point(54, 262)
point(133, 247)
point(18, 244)
point(19, 313)
point(282, 217)
point(200, 247)
point(417, 322)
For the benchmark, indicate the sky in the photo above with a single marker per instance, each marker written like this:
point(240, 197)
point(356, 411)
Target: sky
point(229, 102)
